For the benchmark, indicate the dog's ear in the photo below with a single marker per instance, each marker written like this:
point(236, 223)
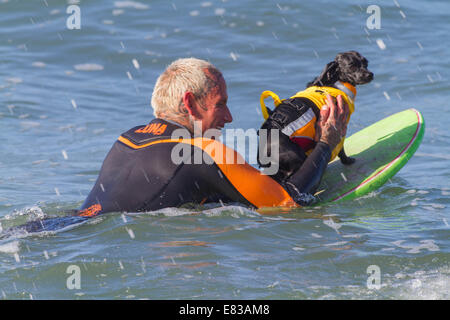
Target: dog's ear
point(329, 75)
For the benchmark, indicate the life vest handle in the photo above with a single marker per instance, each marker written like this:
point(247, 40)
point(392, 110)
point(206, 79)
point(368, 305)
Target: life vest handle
point(264, 95)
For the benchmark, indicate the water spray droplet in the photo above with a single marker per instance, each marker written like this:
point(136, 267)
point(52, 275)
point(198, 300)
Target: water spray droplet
point(130, 233)
point(381, 44)
point(136, 64)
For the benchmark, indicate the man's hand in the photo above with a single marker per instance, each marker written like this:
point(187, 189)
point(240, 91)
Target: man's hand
point(332, 125)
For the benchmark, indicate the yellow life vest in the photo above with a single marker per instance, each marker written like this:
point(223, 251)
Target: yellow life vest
point(304, 127)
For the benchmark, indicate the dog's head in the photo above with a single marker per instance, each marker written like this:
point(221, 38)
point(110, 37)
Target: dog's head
point(348, 67)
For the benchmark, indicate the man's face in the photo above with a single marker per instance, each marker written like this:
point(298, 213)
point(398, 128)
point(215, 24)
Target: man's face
point(215, 113)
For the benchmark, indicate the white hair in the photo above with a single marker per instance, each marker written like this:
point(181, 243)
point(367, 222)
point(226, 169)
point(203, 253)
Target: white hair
point(182, 75)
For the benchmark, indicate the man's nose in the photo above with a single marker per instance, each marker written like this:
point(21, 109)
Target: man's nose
point(228, 116)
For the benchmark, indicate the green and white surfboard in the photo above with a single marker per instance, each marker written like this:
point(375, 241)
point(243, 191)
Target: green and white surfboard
point(381, 150)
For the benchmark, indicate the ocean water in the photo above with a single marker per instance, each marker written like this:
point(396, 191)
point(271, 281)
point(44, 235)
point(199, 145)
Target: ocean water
point(66, 95)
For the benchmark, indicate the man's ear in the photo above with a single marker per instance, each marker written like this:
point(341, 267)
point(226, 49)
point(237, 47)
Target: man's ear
point(190, 104)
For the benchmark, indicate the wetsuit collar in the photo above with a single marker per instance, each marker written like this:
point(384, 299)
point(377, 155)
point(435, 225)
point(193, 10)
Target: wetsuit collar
point(346, 87)
point(174, 123)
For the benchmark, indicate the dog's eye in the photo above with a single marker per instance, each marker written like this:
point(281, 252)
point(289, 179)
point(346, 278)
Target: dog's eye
point(355, 64)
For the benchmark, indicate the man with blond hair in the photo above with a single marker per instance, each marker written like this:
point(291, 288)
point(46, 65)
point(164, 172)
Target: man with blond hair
point(139, 173)
point(185, 90)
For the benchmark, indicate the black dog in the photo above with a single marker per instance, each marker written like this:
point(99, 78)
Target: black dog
point(296, 117)
point(350, 67)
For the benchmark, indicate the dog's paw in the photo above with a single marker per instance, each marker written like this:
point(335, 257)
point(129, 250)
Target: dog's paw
point(348, 161)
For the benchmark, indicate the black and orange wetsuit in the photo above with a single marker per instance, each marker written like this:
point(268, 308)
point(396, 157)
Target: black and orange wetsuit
point(138, 174)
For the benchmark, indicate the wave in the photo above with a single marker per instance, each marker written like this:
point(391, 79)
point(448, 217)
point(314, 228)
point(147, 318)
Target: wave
point(33, 221)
